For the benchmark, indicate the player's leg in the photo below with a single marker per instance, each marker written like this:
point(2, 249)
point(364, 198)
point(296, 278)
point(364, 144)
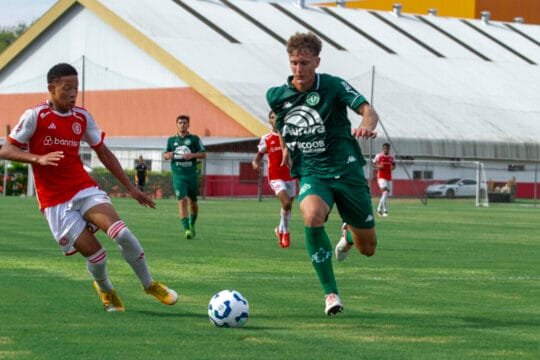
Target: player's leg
point(193, 193)
point(353, 201)
point(70, 231)
point(96, 263)
point(382, 187)
point(184, 216)
point(315, 203)
point(284, 216)
point(181, 193)
point(104, 216)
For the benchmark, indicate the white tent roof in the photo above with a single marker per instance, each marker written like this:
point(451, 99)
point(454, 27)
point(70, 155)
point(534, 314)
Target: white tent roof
point(435, 96)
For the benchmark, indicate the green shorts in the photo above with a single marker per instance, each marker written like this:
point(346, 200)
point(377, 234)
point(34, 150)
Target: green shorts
point(186, 186)
point(350, 194)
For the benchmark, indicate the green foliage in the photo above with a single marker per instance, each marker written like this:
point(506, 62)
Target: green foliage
point(449, 281)
point(158, 184)
point(9, 34)
point(17, 178)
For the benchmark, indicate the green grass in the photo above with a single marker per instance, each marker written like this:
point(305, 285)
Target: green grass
point(449, 281)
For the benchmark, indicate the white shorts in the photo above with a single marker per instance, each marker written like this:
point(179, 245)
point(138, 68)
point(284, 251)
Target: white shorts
point(66, 220)
point(383, 183)
point(280, 185)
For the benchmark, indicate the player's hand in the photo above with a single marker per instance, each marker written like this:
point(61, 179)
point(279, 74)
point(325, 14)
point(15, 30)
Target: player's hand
point(255, 165)
point(142, 198)
point(364, 133)
point(168, 155)
point(188, 156)
point(50, 159)
point(285, 158)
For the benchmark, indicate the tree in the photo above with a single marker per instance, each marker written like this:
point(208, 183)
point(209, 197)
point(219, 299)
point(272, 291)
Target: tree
point(9, 34)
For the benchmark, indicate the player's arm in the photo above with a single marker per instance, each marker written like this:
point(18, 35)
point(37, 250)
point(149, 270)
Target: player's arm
point(197, 155)
point(256, 162)
point(285, 156)
point(370, 119)
point(13, 152)
point(112, 164)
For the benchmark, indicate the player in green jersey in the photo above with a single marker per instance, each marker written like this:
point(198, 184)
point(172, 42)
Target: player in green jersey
point(184, 150)
point(311, 110)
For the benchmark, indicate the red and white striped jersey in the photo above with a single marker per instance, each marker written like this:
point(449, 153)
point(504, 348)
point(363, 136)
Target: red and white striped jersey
point(270, 145)
point(42, 130)
point(387, 162)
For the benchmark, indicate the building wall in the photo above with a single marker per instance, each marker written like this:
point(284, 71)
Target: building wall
point(143, 112)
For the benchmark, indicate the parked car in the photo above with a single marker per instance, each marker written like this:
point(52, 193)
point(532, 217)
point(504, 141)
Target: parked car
point(456, 187)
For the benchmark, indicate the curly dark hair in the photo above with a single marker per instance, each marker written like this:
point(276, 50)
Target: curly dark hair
point(60, 70)
point(304, 41)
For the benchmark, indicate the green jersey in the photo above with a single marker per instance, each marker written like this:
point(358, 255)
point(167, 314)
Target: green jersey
point(180, 145)
point(315, 127)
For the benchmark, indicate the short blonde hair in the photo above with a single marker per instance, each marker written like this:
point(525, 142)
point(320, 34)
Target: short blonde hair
point(304, 41)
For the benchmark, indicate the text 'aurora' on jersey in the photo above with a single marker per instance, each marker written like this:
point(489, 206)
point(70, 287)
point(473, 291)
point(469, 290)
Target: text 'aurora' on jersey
point(300, 121)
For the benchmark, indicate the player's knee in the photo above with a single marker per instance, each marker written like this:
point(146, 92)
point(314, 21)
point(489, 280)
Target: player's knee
point(286, 204)
point(367, 251)
point(313, 219)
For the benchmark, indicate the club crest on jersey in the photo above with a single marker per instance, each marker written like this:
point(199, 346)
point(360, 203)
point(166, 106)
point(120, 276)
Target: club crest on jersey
point(313, 98)
point(77, 129)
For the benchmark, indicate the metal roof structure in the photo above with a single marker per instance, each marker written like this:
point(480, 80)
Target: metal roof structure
point(444, 87)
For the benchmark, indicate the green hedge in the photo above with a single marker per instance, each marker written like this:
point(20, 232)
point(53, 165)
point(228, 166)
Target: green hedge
point(17, 178)
point(158, 184)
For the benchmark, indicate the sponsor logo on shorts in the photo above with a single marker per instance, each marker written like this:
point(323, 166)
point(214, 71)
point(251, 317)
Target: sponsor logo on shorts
point(63, 241)
point(369, 218)
point(351, 159)
point(304, 188)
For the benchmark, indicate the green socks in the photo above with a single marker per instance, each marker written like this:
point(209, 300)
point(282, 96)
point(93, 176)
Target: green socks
point(192, 219)
point(320, 250)
point(349, 238)
point(185, 223)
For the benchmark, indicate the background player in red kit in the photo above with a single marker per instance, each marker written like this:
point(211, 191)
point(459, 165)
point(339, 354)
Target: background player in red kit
point(48, 136)
point(384, 162)
point(279, 177)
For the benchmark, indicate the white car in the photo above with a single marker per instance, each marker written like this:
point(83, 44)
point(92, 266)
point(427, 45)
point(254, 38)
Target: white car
point(457, 187)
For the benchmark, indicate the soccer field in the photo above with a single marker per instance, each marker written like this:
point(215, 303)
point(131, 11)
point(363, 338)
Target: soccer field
point(449, 281)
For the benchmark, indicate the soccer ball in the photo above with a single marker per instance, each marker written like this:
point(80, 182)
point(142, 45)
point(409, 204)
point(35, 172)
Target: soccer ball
point(228, 308)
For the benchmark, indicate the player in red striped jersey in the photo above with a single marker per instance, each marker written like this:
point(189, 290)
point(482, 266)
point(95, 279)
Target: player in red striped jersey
point(385, 164)
point(48, 137)
point(279, 177)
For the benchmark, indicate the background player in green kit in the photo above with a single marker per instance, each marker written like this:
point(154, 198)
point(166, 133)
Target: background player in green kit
point(184, 149)
point(311, 111)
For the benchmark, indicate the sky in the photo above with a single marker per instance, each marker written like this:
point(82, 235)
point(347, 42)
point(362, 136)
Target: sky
point(13, 12)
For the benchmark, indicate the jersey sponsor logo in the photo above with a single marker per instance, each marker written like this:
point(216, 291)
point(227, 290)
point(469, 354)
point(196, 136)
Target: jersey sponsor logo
point(303, 120)
point(300, 121)
point(77, 128)
point(52, 126)
point(321, 256)
point(49, 141)
point(312, 98)
point(43, 114)
point(287, 105)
